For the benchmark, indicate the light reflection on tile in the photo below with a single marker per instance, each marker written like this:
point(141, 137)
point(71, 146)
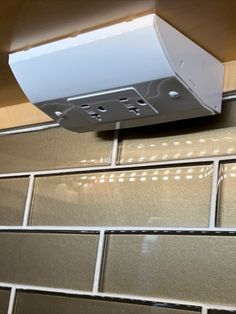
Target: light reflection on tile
point(227, 196)
point(203, 137)
point(155, 197)
point(154, 149)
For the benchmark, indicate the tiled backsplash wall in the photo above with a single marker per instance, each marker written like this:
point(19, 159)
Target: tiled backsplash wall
point(140, 221)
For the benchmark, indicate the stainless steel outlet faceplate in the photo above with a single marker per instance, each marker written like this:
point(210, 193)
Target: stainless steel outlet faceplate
point(147, 103)
point(112, 106)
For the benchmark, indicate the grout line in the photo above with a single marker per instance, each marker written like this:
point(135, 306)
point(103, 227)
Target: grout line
point(179, 161)
point(12, 300)
point(55, 171)
point(229, 97)
point(28, 201)
point(29, 129)
point(168, 300)
point(99, 260)
point(115, 145)
point(121, 167)
point(112, 295)
point(214, 192)
point(204, 310)
point(177, 230)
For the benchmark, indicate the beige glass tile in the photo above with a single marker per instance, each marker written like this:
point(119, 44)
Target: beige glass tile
point(202, 137)
point(4, 300)
point(177, 196)
point(227, 196)
point(192, 268)
point(36, 303)
point(48, 259)
point(53, 148)
point(12, 200)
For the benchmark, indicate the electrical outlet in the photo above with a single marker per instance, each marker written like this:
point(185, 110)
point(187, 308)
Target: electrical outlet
point(112, 106)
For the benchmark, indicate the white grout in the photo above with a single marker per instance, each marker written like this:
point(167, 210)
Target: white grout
point(116, 228)
point(167, 300)
point(178, 162)
point(29, 129)
point(214, 192)
point(115, 146)
point(204, 310)
point(229, 97)
point(98, 268)
point(28, 201)
point(55, 171)
point(115, 295)
point(46, 289)
point(12, 300)
point(121, 167)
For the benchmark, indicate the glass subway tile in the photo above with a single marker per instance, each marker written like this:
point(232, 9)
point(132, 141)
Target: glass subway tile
point(13, 193)
point(227, 196)
point(54, 148)
point(193, 268)
point(195, 138)
point(4, 300)
point(176, 196)
point(38, 303)
point(58, 260)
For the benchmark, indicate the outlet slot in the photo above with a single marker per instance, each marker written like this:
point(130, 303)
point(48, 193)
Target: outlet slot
point(112, 106)
point(96, 116)
point(85, 106)
point(123, 99)
point(135, 111)
point(102, 109)
point(141, 102)
point(128, 105)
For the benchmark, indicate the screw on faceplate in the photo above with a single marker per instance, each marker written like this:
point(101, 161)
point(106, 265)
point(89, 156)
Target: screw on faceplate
point(58, 114)
point(174, 94)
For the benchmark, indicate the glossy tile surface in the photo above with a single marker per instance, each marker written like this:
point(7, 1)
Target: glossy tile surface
point(155, 197)
point(183, 267)
point(4, 300)
point(227, 196)
point(51, 260)
point(203, 137)
point(36, 303)
point(53, 148)
point(12, 200)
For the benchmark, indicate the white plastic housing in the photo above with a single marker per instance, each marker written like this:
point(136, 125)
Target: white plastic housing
point(123, 55)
